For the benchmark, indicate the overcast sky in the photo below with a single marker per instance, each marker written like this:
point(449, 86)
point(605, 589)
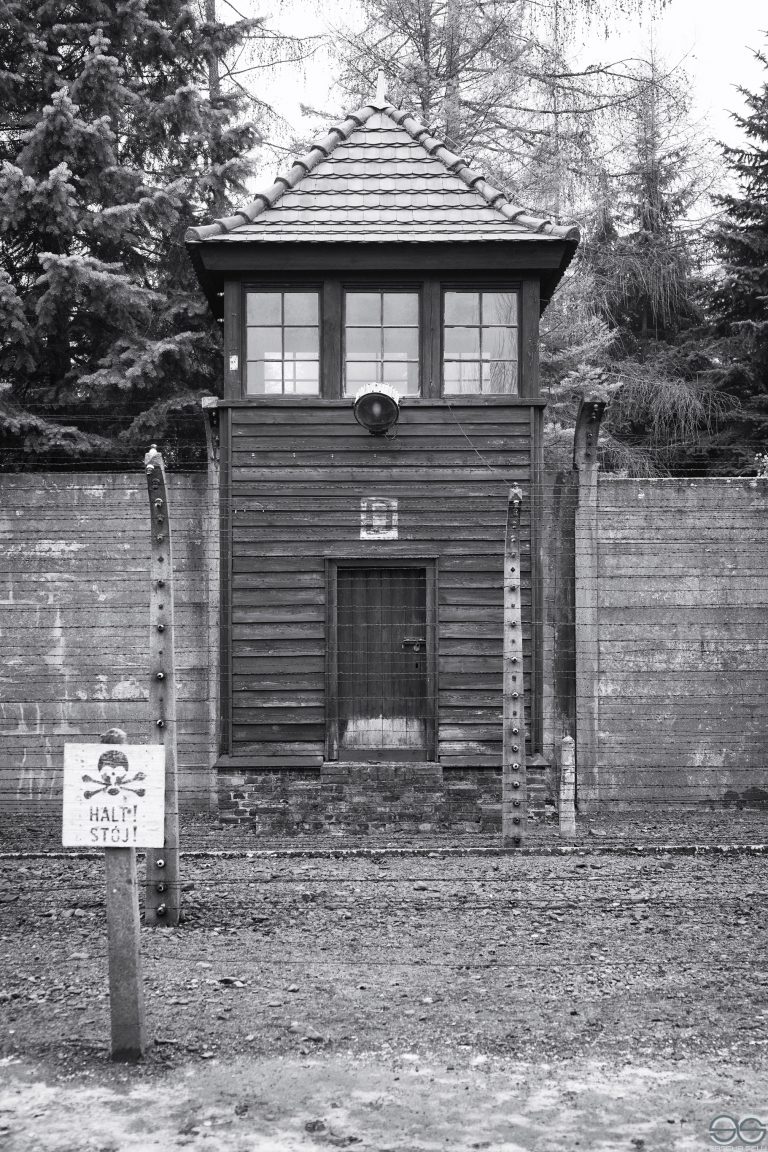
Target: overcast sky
point(714, 42)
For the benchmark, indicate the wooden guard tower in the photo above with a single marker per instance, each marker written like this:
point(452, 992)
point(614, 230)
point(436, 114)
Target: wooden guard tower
point(363, 540)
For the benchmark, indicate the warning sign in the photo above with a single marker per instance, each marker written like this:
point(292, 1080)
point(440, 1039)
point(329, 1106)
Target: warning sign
point(114, 796)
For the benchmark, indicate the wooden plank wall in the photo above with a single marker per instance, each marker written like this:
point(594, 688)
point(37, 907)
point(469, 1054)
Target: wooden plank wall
point(296, 478)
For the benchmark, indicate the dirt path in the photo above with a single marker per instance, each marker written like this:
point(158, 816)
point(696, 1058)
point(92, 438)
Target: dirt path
point(402, 1003)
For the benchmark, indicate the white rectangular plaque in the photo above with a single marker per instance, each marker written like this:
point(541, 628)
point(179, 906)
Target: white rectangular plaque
point(378, 518)
point(114, 796)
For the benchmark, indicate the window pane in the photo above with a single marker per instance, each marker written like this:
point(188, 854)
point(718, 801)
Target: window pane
point(363, 308)
point(401, 308)
point(263, 308)
point(265, 344)
point(401, 344)
point(363, 343)
point(308, 387)
point(361, 372)
point(395, 373)
point(402, 376)
point(254, 378)
point(462, 308)
point(273, 378)
point(303, 376)
point(300, 308)
point(500, 376)
point(462, 343)
point(500, 308)
point(412, 387)
point(461, 377)
point(301, 344)
point(499, 343)
point(264, 379)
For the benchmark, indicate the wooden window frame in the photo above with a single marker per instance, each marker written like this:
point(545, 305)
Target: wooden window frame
point(480, 286)
point(431, 289)
point(374, 560)
point(236, 383)
point(282, 292)
point(415, 288)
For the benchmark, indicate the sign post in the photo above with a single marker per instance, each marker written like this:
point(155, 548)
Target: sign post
point(113, 799)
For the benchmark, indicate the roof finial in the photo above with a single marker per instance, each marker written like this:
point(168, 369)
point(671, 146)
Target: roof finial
point(381, 89)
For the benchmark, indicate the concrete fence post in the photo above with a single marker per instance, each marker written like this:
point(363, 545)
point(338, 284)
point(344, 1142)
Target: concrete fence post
point(514, 796)
point(590, 414)
point(566, 807)
point(162, 896)
point(212, 553)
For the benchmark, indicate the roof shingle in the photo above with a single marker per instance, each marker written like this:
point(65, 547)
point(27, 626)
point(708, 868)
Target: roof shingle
point(378, 176)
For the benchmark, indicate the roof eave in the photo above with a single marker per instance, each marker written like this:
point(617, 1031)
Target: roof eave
point(216, 262)
point(211, 286)
point(550, 280)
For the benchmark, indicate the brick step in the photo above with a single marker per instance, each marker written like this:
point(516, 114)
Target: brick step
point(380, 774)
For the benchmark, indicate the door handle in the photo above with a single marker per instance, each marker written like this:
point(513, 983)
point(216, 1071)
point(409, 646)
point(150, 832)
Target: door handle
point(414, 642)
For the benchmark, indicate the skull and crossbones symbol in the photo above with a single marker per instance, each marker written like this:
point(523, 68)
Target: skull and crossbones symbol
point(113, 768)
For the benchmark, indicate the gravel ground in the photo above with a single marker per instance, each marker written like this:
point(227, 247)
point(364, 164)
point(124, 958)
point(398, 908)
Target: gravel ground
point(498, 1001)
point(669, 825)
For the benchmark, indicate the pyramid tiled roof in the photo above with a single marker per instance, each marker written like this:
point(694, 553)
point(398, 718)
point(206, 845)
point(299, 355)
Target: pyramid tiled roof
point(379, 176)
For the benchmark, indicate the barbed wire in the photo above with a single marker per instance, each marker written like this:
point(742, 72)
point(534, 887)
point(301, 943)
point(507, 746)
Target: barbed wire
point(687, 656)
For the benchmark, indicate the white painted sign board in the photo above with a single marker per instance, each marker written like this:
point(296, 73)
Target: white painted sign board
point(114, 796)
point(378, 518)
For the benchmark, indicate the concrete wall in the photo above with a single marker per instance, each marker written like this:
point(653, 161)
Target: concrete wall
point(682, 642)
point(74, 625)
point(558, 501)
point(681, 678)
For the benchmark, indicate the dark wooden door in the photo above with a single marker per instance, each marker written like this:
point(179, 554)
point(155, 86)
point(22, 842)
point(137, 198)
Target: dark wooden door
point(385, 709)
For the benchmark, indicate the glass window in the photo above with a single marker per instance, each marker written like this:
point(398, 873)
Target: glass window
point(381, 340)
point(480, 342)
point(282, 344)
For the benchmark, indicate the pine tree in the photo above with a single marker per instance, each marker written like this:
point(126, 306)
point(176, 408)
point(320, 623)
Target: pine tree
point(647, 253)
point(639, 273)
point(740, 300)
point(111, 145)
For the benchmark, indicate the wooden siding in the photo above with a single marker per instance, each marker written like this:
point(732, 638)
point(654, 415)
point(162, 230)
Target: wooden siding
point(296, 476)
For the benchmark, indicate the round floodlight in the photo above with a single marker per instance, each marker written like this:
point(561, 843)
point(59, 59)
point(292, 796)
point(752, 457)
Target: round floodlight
point(377, 408)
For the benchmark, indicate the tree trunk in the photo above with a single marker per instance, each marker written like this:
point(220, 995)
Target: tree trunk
point(452, 103)
point(214, 92)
